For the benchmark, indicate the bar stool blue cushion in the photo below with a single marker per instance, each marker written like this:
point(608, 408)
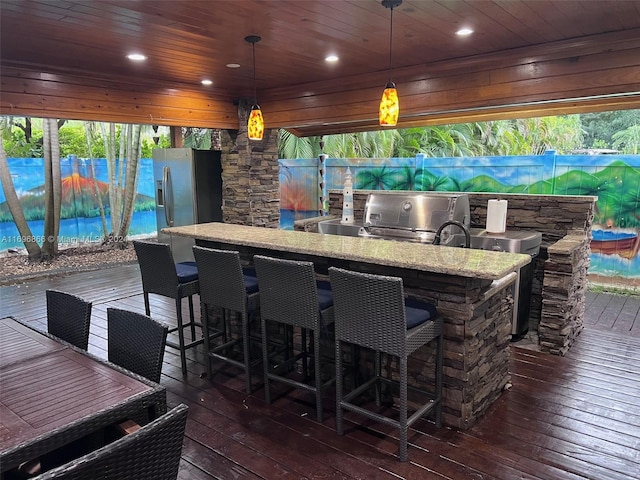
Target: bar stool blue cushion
point(418, 312)
point(250, 283)
point(250, 271)
point(187, 271)
point(325, 296)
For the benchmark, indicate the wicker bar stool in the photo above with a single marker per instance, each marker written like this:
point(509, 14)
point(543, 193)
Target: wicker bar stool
point(162, 276)
point(136, 342)
point(289, 295)
point(224, 284)
point(68, 318)
point(371, 311)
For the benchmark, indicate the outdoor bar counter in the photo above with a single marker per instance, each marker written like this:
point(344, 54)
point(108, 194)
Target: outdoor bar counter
point(471, 288)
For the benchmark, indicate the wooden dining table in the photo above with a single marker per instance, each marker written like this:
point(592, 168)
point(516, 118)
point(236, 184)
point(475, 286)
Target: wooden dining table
point(52, 394)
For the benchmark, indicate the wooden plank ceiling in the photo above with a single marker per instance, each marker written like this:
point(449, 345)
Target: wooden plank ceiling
point(67, 59)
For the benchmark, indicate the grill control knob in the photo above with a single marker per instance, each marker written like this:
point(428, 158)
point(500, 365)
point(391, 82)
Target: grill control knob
point(406, 206)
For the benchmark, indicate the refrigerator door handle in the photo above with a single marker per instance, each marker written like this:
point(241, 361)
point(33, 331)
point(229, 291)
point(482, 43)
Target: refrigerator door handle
point(167, 195)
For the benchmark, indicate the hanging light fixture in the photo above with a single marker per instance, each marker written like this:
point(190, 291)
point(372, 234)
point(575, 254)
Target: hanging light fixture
point(255, 125)
point(389, 105)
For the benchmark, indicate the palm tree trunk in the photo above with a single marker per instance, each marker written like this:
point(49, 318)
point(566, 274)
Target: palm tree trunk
point(13, 202)
point(51, 192)
point(131, 180)
point(89, 129)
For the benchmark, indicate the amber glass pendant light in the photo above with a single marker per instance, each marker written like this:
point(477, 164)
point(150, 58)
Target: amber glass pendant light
point(389, 104)
point(255, 125)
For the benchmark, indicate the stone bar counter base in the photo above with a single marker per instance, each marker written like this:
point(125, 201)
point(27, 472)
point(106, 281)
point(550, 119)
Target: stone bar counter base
point(560, 270)
point(471, 288)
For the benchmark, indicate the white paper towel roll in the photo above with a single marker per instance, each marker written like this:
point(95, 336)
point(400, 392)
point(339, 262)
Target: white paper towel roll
point(497, 216)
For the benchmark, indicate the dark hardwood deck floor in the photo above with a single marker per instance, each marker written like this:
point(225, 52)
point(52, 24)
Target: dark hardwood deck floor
point(565, 418)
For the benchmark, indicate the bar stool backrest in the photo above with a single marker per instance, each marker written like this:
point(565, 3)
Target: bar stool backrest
point(369, 310)
point(157, 268)
point(288, 291)
point(221, 278)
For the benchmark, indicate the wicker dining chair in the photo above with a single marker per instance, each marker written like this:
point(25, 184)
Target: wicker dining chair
point(290, 295)
point(224, 284)
point(162, 276)
point(151, 453)
point(371, 311)
point(136, 342)
point(68, 317)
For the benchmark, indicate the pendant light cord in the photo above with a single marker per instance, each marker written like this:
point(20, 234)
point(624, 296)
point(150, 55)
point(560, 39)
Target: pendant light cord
point(255, 87)
point(390, 43)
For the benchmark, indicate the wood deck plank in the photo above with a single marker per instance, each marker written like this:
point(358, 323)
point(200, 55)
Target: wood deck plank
point(564, 418)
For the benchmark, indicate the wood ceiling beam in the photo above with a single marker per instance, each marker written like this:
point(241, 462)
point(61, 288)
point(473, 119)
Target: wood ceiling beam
point(574, 76)
point(593, 74)
point(25, 92)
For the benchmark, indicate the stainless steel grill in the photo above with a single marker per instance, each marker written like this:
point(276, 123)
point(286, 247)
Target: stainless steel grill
point(414, 217)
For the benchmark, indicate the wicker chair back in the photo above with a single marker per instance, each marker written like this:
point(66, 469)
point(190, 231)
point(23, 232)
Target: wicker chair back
point(68, 318)
point(136, 342)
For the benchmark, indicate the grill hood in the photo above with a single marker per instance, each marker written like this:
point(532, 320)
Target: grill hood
point(413, 217)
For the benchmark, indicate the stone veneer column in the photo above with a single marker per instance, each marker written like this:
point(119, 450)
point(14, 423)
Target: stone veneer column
point(251, 190)
point(563, 293)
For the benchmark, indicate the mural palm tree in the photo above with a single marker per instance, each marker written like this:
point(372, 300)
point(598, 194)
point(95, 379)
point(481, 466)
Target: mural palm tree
point(433, 183)
point(409, 178)
point(381, 178)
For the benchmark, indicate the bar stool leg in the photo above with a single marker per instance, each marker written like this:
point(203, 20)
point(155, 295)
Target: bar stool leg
point(438, 393)
point(317, 370)
point(339, 389)
point(378, 374)
point(207, 342)
point(183, 356)
point(246, 352)
point(265, 360)
point(192, 318)
point(403, 409)
point(304, 347)
point(147, 309)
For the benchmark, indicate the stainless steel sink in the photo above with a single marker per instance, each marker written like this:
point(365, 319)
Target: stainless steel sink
point(512, 242)
point(485, 243)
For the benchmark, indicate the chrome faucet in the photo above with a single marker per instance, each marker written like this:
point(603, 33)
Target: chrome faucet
point(462, 226)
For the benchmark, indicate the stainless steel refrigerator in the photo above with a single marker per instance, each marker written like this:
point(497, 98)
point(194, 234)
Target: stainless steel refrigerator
point(188, 190)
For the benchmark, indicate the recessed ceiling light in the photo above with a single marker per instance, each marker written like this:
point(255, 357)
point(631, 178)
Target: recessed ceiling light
point(233, 65)
point(331, 58)
point(206, 82)
point(137, 57)
point(463, 32)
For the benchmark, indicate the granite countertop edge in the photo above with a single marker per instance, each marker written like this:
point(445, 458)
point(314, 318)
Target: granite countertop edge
point(461, 262)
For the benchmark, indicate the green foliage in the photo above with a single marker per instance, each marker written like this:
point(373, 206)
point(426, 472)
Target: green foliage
point(628, 140)
point(292, 147)
point(148, 145)
point(73, 140)
point(196, 138)
point(599, 128)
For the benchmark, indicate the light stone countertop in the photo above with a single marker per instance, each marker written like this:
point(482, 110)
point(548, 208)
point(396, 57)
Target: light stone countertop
point(462, 262)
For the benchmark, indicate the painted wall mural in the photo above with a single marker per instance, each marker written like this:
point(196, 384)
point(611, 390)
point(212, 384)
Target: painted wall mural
point(80, 216)
point(614, 179)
